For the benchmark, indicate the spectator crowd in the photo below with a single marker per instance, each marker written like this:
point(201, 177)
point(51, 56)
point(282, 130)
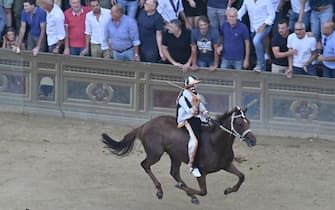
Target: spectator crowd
point(282, 36)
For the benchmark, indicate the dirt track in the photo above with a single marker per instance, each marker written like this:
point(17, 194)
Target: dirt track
point(52, 163)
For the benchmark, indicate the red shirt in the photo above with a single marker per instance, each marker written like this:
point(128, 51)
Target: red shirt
point(76, 26)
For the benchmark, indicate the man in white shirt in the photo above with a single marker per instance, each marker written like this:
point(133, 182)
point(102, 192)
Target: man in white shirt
point(95, 31)
point(304, 52)
point(171, 10)
point(261, 16)
point(54, 26)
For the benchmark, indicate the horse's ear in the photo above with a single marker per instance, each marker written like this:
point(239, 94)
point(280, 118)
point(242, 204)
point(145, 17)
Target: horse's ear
point(245, 110)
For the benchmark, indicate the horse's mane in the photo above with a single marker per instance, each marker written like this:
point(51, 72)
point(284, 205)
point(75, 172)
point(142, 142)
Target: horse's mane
point(219, 119)
point(223, 117)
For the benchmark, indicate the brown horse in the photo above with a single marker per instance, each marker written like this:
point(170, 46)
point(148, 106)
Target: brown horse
point(215, 150)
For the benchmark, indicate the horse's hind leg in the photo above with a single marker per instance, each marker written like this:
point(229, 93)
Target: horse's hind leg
point(232, 169)
point(146, 164)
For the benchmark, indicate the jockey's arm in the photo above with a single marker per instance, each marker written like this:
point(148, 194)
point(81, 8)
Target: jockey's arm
point(203, 109)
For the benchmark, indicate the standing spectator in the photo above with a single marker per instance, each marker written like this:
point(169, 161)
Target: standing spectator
point(279, 48)
point(123, 35)
point(95, 27)
point(216, 11)
point(129, 7)
point(328, 56)
point(66, 3)
point(236, 43)
point(171, 10)
point(75, 28)
point(35, 18)
point(261, 16)
point(193, 10)
point(107, 4)
point(322, 11)
point(7, 5)
point(304, 51)
point(301, 12)
point(150, 25)
point(17, 11)
point(55, 26)
point(204, 42)
point(2, 20)
point(280, 13)
point(176, 45)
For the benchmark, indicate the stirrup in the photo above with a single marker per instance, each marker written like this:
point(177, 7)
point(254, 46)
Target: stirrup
point(195, 172)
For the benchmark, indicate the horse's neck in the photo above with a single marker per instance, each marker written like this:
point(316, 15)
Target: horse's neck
point(224, 141)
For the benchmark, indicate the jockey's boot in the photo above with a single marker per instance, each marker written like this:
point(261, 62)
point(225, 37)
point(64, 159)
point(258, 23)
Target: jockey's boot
point(195, 172)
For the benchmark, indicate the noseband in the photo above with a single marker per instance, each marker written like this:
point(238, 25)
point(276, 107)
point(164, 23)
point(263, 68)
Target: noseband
point(232, 130)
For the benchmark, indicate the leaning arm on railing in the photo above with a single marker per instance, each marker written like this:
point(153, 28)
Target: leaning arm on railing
point(216, 58)
point(21, 35)
point(159, 37)
point(247, 54)
point(194, 55)
point(66, 41)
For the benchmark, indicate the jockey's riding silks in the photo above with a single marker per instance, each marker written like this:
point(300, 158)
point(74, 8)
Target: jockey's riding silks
point(186, 102)
point(190, 112)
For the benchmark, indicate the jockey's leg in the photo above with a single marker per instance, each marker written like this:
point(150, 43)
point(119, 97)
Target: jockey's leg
point(192, 144)
point(193, 126)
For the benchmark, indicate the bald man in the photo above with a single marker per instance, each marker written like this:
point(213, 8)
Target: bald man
point(328, 44)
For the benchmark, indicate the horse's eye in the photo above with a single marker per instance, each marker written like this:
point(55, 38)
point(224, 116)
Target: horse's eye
point(239, 122)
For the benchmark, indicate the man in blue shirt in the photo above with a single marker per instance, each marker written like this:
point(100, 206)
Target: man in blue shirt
point(35, 17)
point(236, 44)
point(150, 26)
point(2, 20)
point(123, 35)
point(328, 44)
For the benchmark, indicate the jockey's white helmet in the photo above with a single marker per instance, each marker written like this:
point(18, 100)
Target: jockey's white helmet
point(190, 81)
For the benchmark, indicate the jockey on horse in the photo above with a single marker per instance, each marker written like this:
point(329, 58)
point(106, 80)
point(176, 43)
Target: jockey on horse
point(191, 111)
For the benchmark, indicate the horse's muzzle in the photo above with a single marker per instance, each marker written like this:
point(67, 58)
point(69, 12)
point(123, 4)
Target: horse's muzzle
point(250, 139)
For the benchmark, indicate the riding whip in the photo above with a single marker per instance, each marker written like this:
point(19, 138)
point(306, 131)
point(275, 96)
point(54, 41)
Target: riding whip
point(202, 99)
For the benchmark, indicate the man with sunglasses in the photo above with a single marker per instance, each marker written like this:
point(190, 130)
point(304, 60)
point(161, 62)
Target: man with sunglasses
point(303, 48)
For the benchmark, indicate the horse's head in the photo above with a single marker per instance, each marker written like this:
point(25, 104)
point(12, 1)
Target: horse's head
point(239, 125)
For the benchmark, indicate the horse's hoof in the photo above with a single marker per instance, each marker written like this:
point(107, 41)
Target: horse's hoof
point(159, 195)
point(227, 191)
point(195, 201)
point(179, 185)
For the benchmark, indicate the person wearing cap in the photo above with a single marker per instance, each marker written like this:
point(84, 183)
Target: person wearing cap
point(191, 111)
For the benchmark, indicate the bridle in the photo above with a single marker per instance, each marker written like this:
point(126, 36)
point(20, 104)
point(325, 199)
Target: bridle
point(232, 130)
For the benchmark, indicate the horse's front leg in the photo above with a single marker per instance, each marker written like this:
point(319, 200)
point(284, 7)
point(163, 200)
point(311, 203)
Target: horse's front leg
point(232, 169)
point(175, 173)
point(192, 192)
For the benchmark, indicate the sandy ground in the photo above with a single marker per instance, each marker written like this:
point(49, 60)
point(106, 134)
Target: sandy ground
point(52, 163)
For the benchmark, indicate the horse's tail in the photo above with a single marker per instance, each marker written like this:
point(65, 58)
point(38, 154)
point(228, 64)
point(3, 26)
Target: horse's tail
point(123, 147)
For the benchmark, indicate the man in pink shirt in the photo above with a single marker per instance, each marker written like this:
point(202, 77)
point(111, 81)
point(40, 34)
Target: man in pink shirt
point(75, 28)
